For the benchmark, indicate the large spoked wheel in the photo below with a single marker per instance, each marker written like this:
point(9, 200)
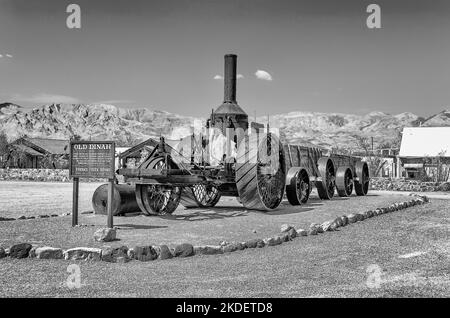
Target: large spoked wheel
point(344, 181)
point(325, 187)
point(200, 195)
point(297, 186)
point(362, 183)
point(260, 172)
point(154, 199)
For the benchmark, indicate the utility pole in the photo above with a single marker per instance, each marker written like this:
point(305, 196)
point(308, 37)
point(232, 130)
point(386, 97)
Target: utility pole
point(372, 145)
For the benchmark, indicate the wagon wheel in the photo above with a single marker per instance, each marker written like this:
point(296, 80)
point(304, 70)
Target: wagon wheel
point(260, 172)
point(362, 183)
point(344, 181)
point(200, 195)
point(297, 186)
point(157, 199)
point(326, 186)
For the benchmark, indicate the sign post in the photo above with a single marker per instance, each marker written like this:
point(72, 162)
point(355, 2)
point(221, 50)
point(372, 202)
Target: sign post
point(92, 159)
point(110, 222)
point(75, 201)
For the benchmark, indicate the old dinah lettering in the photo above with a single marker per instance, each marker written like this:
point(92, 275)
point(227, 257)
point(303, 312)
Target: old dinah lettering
point(100, 146)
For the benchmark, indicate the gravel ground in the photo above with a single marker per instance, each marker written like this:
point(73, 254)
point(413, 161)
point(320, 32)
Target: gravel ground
point(229, 221)
point(410, 248)
point(33, 198)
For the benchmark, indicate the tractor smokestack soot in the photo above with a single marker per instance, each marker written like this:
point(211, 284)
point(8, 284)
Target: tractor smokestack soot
point(255, 167)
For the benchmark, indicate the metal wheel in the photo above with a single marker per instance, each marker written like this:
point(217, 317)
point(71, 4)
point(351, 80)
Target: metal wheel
point(260, 172)
point(362, 182)
point(344, 181)
point(200, 195)
point(297, 186)
point(325, 187)
point(157, 199)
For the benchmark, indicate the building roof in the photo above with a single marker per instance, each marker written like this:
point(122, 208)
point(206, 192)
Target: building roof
point(27, 150)
point(418, 142)
point(45, 145)
point(53, 146)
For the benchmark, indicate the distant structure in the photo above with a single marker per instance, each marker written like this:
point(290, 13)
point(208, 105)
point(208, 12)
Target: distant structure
point(425, 152)
point(39, 153)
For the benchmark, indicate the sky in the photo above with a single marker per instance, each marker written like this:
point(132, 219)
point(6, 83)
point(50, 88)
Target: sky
point(168, 55)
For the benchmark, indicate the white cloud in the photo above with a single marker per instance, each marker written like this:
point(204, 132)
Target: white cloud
point(46, 99)
point(9, 55)
point(263, 75)
point(239, 76)
point(1, 56)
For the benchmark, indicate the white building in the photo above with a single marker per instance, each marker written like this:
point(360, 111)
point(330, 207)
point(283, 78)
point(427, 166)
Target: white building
point(424, 150)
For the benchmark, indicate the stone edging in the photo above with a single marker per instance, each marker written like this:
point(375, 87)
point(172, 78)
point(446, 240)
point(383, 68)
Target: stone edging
point(393, 184)
point(42, 216)
point(148, 253)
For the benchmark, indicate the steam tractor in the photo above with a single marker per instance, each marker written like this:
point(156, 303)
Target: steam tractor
point(232, 157)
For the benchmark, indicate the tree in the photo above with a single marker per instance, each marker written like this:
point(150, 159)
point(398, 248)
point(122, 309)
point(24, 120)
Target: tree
point(375, 162)
point(18, 155)
point(4, 149)
point(50, 161)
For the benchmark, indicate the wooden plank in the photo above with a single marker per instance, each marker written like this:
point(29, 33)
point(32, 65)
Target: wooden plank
point(290, 155)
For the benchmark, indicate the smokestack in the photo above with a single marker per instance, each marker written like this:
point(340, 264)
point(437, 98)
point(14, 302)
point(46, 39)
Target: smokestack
point(230, 78)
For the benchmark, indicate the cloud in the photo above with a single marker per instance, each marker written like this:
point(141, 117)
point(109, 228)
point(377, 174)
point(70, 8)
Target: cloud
point(220, 77)
point(46, 99)
point(263, 75)
point(9, 55)
point(1, 56)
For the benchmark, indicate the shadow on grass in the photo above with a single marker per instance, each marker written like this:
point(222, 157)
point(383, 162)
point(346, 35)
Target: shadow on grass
point(282, 210)
point(220, 212)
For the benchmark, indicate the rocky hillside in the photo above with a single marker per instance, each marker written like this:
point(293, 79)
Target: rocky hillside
point(130, 126)
point(94, 121)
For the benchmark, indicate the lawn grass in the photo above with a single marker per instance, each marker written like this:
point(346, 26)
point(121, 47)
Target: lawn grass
point(333, 264)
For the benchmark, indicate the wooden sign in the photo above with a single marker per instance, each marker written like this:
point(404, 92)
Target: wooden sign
point(92, 159)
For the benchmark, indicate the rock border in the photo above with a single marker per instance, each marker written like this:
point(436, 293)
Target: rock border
point(125, 254)
point(41, 216)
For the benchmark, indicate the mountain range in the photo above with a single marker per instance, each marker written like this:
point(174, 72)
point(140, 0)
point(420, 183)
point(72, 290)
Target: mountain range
point(131, 126)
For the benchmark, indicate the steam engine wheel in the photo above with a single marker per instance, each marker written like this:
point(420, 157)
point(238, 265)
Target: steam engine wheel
point(200, 195)
point(260, 172)
point(155, 199)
